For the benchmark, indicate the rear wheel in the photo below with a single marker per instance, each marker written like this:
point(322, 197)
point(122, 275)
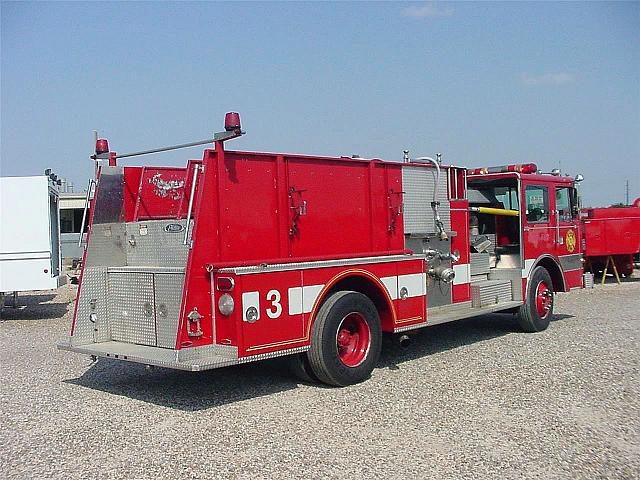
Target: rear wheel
point(346, 339)
point(536, 313)
point(300, 367)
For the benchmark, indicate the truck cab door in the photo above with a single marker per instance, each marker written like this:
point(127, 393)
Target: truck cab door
point(568, 234)
point(539, 232)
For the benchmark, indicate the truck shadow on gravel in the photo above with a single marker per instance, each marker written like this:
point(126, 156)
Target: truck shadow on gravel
point(33, 307)
point(448, 336)
point(195, 391)
point(188, 391)
point(611, 280)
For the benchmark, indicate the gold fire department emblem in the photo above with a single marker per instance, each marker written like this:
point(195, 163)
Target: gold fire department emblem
point(570, 241)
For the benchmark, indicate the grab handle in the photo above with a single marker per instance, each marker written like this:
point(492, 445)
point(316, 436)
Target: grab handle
point(196, 170)
point(87, 199)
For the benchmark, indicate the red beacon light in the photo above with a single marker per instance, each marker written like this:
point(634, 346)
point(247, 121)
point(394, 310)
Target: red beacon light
point(102, 146)
point(520, 168)
point(232, 122)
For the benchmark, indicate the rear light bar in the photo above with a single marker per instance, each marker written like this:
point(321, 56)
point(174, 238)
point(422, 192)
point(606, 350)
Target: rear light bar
point(520, 168)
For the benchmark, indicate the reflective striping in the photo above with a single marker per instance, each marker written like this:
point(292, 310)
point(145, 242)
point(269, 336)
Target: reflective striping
point(391, 284)
point(250, 299)
point(415, 283)
point(528, 264)
point(302, 299)
point(309, 297)
point(295, 301)
point(463, 274)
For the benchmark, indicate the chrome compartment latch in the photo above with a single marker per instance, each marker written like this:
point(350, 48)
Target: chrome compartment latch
point(194, 317)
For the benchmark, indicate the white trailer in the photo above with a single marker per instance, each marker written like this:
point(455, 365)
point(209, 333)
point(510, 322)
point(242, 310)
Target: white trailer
point(29, 235)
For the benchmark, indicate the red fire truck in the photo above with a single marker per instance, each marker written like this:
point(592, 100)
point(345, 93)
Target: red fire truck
point(612, 234)
point(243, 256)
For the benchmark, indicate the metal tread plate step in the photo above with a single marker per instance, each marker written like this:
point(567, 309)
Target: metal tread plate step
point(489, 292)
point(482, 277)
point(445, 315)
point(480, 263)
point(192, 359)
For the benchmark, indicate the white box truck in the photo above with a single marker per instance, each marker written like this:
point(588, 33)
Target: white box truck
point(29, 235)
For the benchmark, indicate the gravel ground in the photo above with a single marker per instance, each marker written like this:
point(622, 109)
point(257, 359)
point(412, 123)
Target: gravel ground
point(472, 399)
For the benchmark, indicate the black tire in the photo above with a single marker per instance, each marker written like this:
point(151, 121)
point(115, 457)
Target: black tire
point(529, 318)
point(300, 367)
point(324, 356)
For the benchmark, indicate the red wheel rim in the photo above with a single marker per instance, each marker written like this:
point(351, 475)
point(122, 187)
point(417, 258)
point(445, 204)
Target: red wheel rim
point(544, 299)
point(353, 340)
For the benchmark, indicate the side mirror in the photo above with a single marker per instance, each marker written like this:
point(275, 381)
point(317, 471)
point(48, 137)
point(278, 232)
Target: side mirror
point(579, 178)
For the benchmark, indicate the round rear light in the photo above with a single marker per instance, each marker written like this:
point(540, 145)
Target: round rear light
point(226, 304)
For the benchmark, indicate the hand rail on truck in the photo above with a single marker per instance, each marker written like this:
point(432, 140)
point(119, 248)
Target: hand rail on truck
point(87, 199)
point(196, 170)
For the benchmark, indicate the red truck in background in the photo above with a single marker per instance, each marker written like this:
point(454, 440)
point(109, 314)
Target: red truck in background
point(611, 232)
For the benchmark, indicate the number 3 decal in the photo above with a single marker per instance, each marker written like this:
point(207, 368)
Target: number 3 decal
point(276, 309)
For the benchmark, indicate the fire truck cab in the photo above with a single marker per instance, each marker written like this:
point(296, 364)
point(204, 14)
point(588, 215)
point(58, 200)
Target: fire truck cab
point(543, 240)
point(243, 256)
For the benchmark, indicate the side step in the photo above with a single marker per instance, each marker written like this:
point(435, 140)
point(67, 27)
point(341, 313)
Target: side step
point(490, 292)
point(458, 311)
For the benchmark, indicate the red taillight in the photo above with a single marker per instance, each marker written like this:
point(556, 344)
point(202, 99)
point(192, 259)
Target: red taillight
point(102, 146)
point(225, 284)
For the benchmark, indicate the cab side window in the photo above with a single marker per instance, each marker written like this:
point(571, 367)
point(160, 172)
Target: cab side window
point(566, 203)
point(537, 202)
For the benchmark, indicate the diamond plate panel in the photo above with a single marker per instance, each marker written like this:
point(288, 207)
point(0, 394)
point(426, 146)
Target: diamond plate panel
point(153, 243)
point(93, 299)
point(418, 184)
point(106, 245)
point(168, 299)
point(130, 308)
point(108, 201)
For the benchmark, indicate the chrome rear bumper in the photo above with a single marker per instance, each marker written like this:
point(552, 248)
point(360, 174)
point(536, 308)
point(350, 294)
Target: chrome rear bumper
point(192, 359)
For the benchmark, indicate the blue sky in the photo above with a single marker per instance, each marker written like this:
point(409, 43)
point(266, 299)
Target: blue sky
point(483, 83)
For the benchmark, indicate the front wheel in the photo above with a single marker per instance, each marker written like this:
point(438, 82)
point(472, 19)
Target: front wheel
point(346, 339)
point(535, 314)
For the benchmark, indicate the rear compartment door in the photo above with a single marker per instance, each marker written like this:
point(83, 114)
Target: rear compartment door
point(168, 298)
point(143, 308)
point(130, 308)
